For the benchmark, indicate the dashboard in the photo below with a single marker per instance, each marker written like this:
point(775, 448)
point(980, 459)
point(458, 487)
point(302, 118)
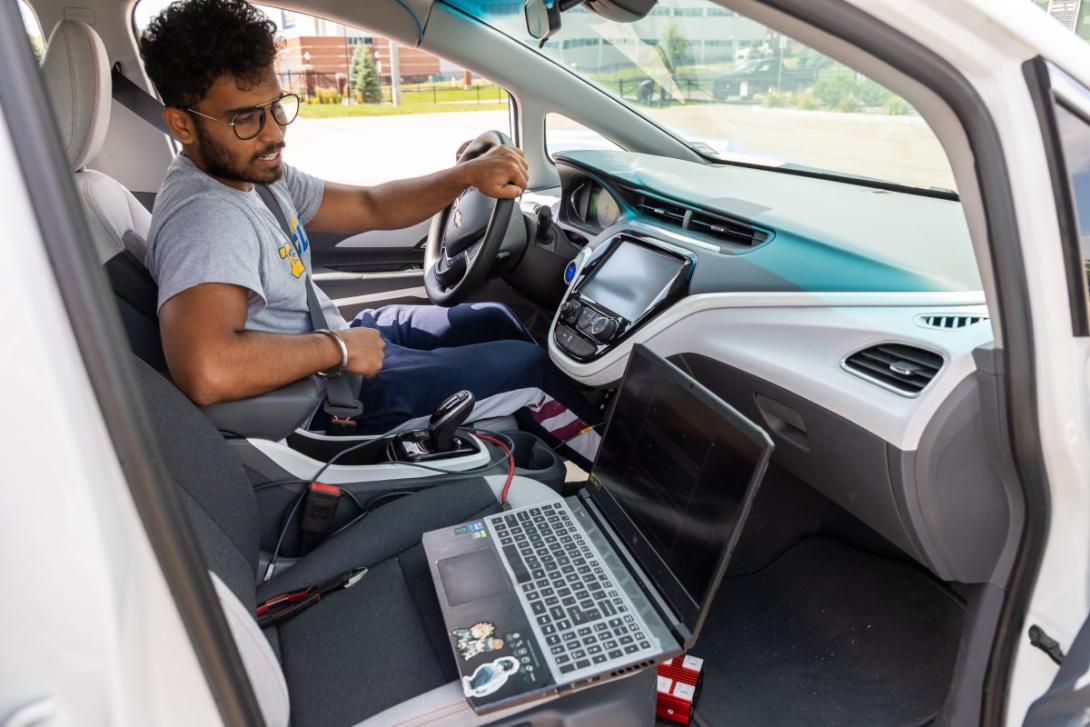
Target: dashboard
point(847, 321)
point(592, 206)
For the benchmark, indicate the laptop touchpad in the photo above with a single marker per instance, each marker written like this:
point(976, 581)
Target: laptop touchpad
point(473, 576)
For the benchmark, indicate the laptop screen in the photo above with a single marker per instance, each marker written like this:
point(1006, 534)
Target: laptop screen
point(676, 474)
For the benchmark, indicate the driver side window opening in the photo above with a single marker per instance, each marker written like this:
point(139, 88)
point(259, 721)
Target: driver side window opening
point(356, 126)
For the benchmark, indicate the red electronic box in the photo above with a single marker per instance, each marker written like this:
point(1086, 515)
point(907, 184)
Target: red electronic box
point(677, 683)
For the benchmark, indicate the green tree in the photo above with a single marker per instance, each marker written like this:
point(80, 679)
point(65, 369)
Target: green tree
point(674, 48)
point(363, 76)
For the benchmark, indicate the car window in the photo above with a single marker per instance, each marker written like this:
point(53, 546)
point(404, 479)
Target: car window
point(33, 30)
point(354, 127)
point(563, 134)
point(1074, 137)
point(1072, 14)
point(737, 90)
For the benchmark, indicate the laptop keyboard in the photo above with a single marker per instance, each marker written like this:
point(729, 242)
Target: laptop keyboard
point(583, 618)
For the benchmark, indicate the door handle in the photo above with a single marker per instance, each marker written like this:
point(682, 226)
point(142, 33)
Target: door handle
point(784, 422)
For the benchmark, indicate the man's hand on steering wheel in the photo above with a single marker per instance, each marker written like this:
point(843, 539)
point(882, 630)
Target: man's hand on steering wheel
point(500, 172)
point(465, 239)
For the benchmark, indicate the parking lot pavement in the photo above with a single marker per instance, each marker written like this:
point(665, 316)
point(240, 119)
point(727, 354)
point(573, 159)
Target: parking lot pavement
point(372, 149)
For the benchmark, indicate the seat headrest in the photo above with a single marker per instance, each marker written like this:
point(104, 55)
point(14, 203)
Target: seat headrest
point(76, 71)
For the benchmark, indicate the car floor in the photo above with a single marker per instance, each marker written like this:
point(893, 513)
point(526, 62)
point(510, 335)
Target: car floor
point(828, 634)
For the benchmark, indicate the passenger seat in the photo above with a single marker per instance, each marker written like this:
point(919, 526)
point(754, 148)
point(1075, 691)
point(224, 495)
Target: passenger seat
point(378, 651)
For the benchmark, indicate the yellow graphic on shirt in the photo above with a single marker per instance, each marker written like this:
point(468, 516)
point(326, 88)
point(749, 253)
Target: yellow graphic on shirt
point(289, 250)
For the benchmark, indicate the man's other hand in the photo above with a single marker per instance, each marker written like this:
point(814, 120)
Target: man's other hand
point(365, 350)
point(500, 172)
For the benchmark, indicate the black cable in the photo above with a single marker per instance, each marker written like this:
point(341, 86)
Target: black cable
point(370, 505)
point(278, 483)
point(283, 532)
point(364, 510)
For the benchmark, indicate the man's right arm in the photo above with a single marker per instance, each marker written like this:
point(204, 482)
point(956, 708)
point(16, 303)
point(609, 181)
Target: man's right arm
point(212, 357)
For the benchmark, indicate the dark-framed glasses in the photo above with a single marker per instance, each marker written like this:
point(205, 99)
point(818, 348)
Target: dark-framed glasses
point(248, 123)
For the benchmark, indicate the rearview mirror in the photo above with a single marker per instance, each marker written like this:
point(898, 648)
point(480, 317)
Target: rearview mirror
point(541, 20)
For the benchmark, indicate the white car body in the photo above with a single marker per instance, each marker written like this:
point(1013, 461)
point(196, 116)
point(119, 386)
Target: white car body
point(90, 630)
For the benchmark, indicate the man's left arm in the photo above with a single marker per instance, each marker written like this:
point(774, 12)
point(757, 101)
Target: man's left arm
point(501, 172)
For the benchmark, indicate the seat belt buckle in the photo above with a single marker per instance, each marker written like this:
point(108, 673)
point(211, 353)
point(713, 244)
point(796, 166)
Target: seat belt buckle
point(320, 508)
point(341, 426)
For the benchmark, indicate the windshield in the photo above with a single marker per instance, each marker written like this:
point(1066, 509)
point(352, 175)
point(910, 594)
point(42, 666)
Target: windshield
point(736, 91)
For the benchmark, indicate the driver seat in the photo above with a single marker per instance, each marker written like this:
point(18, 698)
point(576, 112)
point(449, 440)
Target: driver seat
point(76, 72)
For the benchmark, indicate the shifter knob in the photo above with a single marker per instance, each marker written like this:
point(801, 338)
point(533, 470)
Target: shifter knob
point(450, 415)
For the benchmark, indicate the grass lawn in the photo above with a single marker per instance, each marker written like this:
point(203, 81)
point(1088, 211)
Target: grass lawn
point(331, 111)
point(422, 98)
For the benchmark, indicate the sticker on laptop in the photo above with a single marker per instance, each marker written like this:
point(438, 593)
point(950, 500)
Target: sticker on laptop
point(480, 638)
point(488, 678)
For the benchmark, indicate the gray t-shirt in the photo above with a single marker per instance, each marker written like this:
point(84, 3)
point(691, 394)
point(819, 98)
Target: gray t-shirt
point(203, 231)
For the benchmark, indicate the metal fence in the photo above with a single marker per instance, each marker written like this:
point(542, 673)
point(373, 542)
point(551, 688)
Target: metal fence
point(332, 88)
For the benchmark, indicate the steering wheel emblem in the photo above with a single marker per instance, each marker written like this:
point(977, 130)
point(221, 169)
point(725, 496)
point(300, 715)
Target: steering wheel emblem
point(457, 218)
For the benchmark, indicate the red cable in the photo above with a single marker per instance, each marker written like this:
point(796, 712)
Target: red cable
point(510, 465)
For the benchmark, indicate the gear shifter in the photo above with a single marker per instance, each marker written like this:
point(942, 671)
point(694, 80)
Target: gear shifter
point(450, 415)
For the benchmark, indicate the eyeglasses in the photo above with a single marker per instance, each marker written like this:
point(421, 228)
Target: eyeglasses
point(248, 123)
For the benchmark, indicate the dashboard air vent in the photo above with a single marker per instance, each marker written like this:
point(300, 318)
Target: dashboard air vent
point(735, 233)
point(900, 368)
point(727, 229)
point(665, 211)
point(949, 321)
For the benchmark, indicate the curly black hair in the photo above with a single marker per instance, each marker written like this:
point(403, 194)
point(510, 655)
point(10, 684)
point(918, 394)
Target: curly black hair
point(193, 42)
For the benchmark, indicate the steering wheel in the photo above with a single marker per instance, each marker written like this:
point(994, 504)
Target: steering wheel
point(465, 238)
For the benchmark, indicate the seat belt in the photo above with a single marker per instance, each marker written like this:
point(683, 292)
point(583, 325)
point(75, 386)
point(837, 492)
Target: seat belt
point(137, 100)
point(341, 404)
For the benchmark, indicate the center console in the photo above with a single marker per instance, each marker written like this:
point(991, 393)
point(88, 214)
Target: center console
point(625, 283)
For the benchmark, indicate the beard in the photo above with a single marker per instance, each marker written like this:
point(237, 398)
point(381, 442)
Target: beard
point(218, 161)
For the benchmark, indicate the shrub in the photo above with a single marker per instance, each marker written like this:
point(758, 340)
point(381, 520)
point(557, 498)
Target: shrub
point(897, 106)
point(832, 85)
point(777, 100)
point(327, 95)
point(805, 101)
point(839, 88)
point(848, 103)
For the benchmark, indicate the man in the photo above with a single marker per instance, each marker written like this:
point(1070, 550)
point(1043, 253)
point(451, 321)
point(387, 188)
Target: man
point(232, 286)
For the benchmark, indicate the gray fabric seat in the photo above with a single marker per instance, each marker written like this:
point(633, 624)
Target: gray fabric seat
point(76, 72)
point(378, 650)
point(358, 651)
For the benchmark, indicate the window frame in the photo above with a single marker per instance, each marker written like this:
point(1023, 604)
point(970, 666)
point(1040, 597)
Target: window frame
point(1050, 89)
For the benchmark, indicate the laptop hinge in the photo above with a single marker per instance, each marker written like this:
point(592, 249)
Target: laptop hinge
point(665, 612)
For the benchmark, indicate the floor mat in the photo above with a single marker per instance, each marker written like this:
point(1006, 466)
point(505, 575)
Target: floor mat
point(828, 635)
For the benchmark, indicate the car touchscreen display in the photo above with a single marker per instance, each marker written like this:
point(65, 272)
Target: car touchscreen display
point(631, 279)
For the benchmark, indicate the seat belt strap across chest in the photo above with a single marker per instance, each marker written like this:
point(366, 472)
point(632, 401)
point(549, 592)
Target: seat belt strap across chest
point(341, 403)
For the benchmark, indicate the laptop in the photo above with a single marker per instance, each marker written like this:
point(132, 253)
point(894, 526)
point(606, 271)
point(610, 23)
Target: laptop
point(559, 596)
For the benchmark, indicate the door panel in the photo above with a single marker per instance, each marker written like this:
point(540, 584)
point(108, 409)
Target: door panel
point(370, 251)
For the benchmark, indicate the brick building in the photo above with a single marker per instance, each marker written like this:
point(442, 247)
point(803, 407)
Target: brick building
point(323, 60)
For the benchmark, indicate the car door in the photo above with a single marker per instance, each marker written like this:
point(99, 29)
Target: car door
point(1067, 701)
